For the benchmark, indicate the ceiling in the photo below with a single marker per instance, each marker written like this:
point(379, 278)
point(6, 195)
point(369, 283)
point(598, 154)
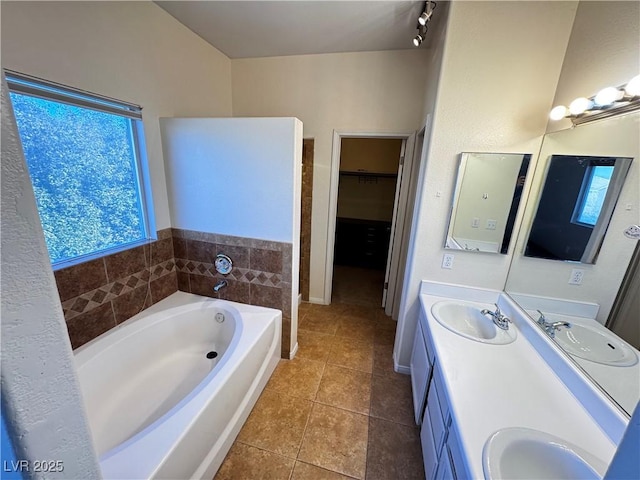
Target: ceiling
point(245, 29)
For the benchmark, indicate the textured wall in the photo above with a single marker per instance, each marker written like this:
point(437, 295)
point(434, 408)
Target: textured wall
point(40, 391)
point(499, 72)
point(351, 92)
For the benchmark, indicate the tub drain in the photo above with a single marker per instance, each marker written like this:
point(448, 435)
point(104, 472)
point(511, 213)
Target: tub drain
point(211, 355)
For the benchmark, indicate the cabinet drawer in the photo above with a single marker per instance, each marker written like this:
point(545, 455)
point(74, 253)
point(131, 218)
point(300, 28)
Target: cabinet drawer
point(429, 456)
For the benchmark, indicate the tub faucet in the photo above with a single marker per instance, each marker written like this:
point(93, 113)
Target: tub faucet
point(551, 327)
point(498, 318)
point(220, 285)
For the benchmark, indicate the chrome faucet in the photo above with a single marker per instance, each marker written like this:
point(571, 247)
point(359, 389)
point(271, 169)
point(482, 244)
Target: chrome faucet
point(498, 318)
point(551, 327)
point(220, 285)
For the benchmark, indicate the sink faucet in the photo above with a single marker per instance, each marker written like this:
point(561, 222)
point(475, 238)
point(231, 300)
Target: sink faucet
point(220, 285)
point(551, 327)
point(498, 318)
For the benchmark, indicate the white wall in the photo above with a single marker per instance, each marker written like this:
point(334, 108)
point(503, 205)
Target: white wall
point(233, 176)
point(499, 72)
point(132, 51)
point(365, 92)
point(40, 391)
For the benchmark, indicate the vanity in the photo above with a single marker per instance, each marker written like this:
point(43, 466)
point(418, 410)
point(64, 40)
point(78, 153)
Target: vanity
point(490, 405)
point(550, 394)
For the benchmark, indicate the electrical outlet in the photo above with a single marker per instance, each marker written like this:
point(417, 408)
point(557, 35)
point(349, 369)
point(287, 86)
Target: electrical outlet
point(447, 261)
point(491, 224)
point(576, 277)
point(475, 222)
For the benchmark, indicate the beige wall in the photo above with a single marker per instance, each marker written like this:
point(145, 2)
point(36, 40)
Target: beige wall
point(132, 51)
point(496, 177)
point(366, 198)
point(347, 92)
point(501, 64)
point(603, 51)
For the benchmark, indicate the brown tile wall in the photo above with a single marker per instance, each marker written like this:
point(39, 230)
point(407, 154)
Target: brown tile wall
point(305, 221)
point(261, 272)
point(99, 294)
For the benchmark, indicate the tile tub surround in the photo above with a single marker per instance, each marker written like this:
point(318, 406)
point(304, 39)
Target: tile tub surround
point(99, 294)
point(332, 412)
point(261, 275)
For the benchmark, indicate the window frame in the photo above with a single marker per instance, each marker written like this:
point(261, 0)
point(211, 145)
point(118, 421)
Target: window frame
point(587, 181)
point(23, 84)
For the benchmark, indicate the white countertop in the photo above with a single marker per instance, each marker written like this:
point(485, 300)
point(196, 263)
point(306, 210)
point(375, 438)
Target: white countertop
point(491, 387)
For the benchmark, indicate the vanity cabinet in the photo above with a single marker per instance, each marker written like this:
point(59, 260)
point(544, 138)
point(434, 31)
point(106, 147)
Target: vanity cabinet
point(440, 446)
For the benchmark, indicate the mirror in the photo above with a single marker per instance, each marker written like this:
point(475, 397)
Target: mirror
point(575, 207)
point(486, 200)
point(584, 293)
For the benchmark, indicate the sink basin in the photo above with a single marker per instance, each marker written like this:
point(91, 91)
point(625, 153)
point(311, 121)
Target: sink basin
point(519, 453)
point(466, 320)
point(593, 342)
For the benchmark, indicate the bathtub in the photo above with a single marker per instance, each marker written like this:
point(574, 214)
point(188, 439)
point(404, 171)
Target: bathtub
point(167, 391)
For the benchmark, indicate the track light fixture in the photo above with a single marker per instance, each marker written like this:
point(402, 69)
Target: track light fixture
point(423, 19)
point(419, 38)
point(607, 102)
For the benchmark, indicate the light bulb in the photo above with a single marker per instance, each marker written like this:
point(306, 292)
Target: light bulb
point(607, 96)
point(424, 18)
point(417, 40)
point(580, 105)
point(558, 113)
point(633, 87)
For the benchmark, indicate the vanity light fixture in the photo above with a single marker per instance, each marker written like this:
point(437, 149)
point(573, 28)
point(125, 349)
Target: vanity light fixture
point(423, 19)
point(607, 102)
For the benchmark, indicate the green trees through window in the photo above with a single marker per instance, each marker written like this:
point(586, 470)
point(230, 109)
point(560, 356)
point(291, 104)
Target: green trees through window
point(83, 167)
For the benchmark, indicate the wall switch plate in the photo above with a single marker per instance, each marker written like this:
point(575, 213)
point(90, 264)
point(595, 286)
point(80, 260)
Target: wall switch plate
point(491, 224)
point(576, 277)
point(447, 261)
point(475, 222)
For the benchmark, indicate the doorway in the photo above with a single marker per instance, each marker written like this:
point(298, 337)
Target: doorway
point(369, 188)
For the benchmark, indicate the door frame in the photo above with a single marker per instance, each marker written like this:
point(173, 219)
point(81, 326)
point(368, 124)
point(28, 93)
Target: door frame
point(409, 137)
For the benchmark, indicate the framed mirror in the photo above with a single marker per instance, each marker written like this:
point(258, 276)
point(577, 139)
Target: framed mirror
point(575, 207)
point(486, 200)
point(583, 294)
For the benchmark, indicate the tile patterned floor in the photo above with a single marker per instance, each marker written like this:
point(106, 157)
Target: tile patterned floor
point(337, 411)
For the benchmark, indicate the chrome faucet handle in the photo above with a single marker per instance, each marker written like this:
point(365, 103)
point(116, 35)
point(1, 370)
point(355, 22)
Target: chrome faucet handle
point(541, 319)
point(498, 312)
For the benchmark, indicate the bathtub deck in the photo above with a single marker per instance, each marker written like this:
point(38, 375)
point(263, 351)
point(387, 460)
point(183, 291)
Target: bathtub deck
point(336, 411)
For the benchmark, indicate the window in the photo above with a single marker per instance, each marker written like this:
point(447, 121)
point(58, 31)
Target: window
point(84, 153)
point(593, 193)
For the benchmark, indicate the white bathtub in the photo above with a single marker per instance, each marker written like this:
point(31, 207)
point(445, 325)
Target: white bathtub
point(157, 406)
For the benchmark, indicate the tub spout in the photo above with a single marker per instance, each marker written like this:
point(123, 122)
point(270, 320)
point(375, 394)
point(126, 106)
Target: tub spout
point(220, 285)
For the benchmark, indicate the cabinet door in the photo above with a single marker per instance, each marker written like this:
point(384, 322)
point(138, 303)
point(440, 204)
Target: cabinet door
point(420, 373)
point(429, 456)
point(445, 471)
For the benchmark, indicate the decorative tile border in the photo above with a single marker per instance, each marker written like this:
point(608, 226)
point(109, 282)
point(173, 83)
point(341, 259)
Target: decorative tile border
point(239, 274)
point(105, 293)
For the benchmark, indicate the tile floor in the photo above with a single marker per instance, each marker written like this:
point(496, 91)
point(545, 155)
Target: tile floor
point(337, 411)
point(361, 286)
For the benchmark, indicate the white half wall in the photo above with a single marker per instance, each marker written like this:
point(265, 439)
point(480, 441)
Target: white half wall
point(40, 391)
point(498, 77)
point(375, 92)
point(131, 51)
point(234, 176)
